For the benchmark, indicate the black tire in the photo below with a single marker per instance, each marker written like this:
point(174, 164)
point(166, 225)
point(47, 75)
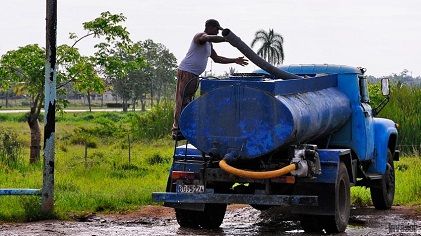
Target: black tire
point(187, 218)
point(311, 224)
point(383, 191)
point(261, 207)
point(213, 216)
point(337, 223)
point(210, 218)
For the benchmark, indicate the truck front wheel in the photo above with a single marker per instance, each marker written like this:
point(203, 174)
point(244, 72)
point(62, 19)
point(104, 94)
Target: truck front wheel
point(383, 191)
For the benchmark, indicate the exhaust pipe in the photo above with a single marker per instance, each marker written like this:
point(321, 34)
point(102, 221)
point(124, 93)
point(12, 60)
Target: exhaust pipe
point(253, 57)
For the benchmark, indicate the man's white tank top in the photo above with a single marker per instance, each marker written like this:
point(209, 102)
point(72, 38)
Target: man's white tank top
point(196, 58)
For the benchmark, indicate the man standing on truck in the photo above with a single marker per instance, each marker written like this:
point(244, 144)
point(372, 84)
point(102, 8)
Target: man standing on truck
point(194, 64)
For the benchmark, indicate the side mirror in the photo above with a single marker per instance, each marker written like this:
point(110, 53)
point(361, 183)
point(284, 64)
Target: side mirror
point(385, 87)
point(386, 93)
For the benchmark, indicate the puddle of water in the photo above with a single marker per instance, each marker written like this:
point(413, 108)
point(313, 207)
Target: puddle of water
point(238, 221)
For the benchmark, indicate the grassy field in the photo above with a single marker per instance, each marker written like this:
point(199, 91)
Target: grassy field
point(105, 180)
point(408, 184)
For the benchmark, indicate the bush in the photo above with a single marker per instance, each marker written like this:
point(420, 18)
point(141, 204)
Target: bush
point(156, 159)
point(129, 167)
point(154, 124)
point(32, 209)
point(105, 129)
point(80, 139)
point(10, 148)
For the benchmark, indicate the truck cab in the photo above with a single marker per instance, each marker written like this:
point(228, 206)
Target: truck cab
point(363, 133)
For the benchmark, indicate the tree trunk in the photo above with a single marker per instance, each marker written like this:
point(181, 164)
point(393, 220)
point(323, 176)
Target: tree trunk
point(35, 148)
point(102, 100)
point(152, 95)
point(7, 100)
point(134, 104)
point(124, 105)
point(158, 97)
point(89, 101)
point(143, 104)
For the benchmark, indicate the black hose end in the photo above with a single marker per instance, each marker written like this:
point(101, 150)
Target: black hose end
point(231, 157)
point(226, 32)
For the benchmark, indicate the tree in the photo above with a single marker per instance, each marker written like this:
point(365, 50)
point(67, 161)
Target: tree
point(107, 26)
point(159, 72)
point(165, 72)
point(116, 56)
point(5, 87)
point(25, 66)
point(80, 70)
point(141, 80)
point(117, 63)
point(272, 46)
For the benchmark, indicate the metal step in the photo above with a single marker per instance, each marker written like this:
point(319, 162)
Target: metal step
point(374, 176)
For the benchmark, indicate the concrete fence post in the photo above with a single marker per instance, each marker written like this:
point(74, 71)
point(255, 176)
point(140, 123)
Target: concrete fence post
point(47, 204)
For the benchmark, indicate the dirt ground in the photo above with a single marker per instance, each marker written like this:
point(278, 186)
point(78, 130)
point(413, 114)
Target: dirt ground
point(239, 220)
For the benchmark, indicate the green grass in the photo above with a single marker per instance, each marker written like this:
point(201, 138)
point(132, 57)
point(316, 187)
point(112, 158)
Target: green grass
point(104, 182)
point(408, 184)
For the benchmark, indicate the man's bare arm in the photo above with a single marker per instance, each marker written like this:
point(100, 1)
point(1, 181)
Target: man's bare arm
point(203, 38)
point(223, 60)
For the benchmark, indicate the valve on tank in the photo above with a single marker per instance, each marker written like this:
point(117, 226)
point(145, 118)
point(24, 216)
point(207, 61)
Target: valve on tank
point(307, 160)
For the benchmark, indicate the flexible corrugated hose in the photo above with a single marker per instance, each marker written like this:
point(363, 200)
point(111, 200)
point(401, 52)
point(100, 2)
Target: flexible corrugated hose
point(257, 174)
point(235, 41)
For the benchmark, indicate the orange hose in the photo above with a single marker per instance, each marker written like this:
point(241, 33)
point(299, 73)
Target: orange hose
point(257, 174)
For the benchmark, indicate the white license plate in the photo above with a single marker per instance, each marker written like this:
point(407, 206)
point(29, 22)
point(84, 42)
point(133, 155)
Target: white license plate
point(190, 188)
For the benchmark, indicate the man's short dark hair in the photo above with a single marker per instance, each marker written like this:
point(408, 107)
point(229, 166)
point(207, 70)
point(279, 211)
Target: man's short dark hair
point(214, 23)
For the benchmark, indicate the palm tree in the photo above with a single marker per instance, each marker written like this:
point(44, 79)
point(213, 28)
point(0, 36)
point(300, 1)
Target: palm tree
point(271, 49)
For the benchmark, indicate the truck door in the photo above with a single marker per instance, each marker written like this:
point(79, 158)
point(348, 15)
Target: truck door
point(368, 117)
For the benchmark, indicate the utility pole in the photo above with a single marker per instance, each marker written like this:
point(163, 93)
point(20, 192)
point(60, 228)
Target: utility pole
point(50, 107)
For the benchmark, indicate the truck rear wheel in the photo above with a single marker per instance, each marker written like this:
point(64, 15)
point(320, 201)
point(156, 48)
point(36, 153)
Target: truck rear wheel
point(383, 191)
point(187, 218)
point(311, 224)
point(213, 216)
point(210, 218)
point(342, 205)
point(337, 223)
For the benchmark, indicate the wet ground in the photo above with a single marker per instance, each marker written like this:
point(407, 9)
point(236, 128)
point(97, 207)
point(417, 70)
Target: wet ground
point(239, 220)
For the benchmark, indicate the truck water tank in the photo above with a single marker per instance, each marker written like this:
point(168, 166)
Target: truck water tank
point(249, 120)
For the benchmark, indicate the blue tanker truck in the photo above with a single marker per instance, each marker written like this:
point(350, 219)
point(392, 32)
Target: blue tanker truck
point(296, 137)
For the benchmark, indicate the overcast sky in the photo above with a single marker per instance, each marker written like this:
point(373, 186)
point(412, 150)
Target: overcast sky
point(382, 35)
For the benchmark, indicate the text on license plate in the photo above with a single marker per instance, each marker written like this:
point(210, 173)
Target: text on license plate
point(190, 188)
